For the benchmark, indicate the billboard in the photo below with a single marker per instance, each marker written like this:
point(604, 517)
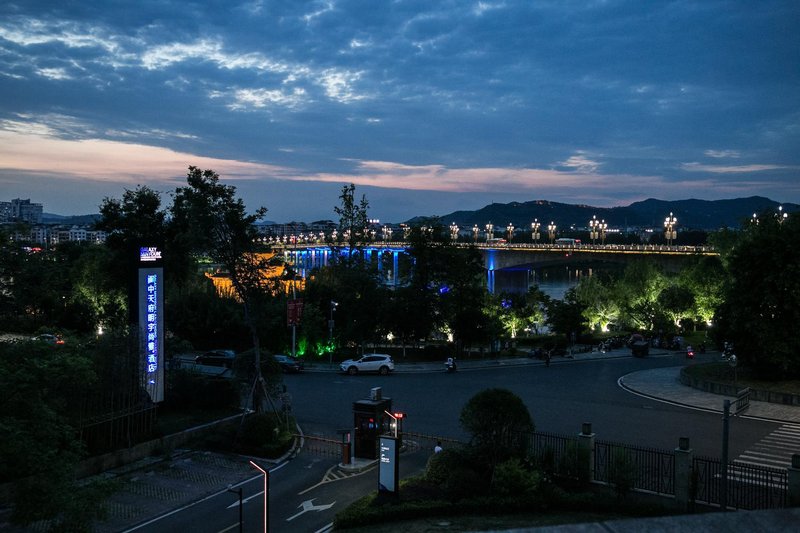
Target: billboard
point(151, 322)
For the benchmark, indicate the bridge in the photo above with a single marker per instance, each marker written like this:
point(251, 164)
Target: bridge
point(507, 259)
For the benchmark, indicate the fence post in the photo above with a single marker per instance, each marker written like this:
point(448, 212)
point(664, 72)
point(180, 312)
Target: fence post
point(794, 481)
point(586, 442)
point(683, 473)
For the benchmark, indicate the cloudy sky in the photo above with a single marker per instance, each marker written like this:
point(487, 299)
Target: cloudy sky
point(427, 106)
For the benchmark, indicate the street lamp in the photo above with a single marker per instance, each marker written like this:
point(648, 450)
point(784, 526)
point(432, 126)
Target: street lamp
point(593, 226)
point(551, 231)
point(266, 492)
point(475, 232)
point(602, 228)
point(330, 333)
point(669, 228)
point(510, 231)
point(453, 232)
point(781, 215)
point(489, 231)
point(754, 220)
point(535, 230)
point(386, 233)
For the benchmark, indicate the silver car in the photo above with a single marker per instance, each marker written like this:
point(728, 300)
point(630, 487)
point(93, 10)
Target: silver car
point(371, 362)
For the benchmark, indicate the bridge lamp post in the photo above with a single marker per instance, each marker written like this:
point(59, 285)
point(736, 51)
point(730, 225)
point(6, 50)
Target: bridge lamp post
point(603, 227)
point(510, 231)
point(754, 220)
point(475, 232)
point(386, 232)
point(781, 215)
point(489, 231)
point(551, 231)
point(669, 228)
point(535, 230)
point(406, 231)
point(593, 226)
point(453, 232)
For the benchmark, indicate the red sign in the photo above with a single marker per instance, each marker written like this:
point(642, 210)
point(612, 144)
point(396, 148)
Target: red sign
point(293, 312)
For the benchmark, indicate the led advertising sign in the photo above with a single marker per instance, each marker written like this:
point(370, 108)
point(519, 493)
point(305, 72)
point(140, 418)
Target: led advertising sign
point(149, 254)
point(151, 330)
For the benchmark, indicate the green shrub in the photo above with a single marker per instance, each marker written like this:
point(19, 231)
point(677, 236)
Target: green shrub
point(622, 472)
point(441, 464)
point(512, 478)
point(265, 434)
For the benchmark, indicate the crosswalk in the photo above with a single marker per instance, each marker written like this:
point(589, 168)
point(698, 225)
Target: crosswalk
point(774, 450)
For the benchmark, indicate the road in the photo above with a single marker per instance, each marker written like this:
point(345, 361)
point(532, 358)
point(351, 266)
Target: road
point(307, 492)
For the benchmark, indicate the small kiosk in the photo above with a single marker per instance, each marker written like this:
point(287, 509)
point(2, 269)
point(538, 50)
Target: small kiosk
point(370, 422)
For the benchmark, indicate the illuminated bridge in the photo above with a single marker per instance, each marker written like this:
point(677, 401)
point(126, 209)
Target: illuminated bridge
point(513, 260)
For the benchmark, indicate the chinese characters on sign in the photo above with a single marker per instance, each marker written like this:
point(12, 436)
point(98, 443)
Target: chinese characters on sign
point(151, 328)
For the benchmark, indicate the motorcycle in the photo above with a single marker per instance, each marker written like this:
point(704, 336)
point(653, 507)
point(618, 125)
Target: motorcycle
point(450, 365)
point(689, 353)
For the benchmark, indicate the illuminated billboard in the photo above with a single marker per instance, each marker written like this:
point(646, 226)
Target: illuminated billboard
point(151, 323)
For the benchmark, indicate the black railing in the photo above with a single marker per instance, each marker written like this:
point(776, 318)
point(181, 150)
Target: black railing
point(749, 486)
point(642, 468)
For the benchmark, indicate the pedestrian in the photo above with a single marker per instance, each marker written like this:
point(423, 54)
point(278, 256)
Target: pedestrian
point(438, 447)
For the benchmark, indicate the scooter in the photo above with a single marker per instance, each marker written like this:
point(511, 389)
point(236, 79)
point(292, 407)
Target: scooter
point(450, 365)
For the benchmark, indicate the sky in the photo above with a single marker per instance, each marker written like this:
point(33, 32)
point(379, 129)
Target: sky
point(426, 106)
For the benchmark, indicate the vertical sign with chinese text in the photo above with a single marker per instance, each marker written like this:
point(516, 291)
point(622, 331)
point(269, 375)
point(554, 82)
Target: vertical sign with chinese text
point(151, 323)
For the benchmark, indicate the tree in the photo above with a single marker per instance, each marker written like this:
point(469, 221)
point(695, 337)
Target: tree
point(597, 299)
point(677, 302)
point(760, 310)
point(207, 215)
point(566, 316)
point(353, 221)
point(638, 291)
point(499, 424)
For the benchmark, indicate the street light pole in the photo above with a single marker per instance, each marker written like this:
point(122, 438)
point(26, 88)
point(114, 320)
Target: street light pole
point(266, 493)
point(510, 230)
point(489, 231)
point(669, 228)
point(330, 333)
point(551, 231)
point(593, 228)
point(535, 230)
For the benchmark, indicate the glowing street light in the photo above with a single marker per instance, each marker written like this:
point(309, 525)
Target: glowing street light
point(551, 231)
point(489, 231)
point(475, 232)
point(781, 215)
point(669, 228)
point(510, 231)
point(535, 230)
point(386, 232)
point(602, 227)
point(593, 228)
point(453, 231)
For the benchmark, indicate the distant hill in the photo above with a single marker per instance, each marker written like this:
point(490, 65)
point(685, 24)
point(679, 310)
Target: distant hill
point(691, 214)
point(74, 220)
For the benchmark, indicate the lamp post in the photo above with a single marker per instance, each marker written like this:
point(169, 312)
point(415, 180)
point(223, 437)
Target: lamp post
point(593, 228)
point(781, 215)
point(602, 226)
point(330, 333)
point(535, 230)
point(669, 228)
point(475, 232)
point(238, 491)
point(453, 232)
point(489, 231)
point(386, 233)
point(266, 492)
point(510, 231)
point(551, 231)
point(754, 220)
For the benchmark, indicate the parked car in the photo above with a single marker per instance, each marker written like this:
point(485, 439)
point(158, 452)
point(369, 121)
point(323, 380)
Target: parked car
point(49, 338)
point(221, 358)
point(371, 362)
point(288, 364)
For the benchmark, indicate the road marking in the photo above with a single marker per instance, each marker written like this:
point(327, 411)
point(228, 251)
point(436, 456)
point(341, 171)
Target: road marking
point(335, 474)
point(775, 449)
point(308, 505)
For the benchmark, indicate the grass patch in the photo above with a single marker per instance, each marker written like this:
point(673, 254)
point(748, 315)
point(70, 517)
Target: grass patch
point(722, 372)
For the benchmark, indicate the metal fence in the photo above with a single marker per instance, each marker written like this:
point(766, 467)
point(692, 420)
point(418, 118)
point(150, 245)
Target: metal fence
point(749, 486)
point(640, 468)
point(555, 454)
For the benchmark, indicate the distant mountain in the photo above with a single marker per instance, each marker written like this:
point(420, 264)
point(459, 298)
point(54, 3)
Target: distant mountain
point(74, 220)
point(691, 214)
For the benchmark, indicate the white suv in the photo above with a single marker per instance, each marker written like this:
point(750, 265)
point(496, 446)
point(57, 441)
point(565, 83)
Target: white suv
point(371, 362)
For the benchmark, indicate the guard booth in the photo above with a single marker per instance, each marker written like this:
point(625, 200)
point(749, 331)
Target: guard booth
point(370, 422)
